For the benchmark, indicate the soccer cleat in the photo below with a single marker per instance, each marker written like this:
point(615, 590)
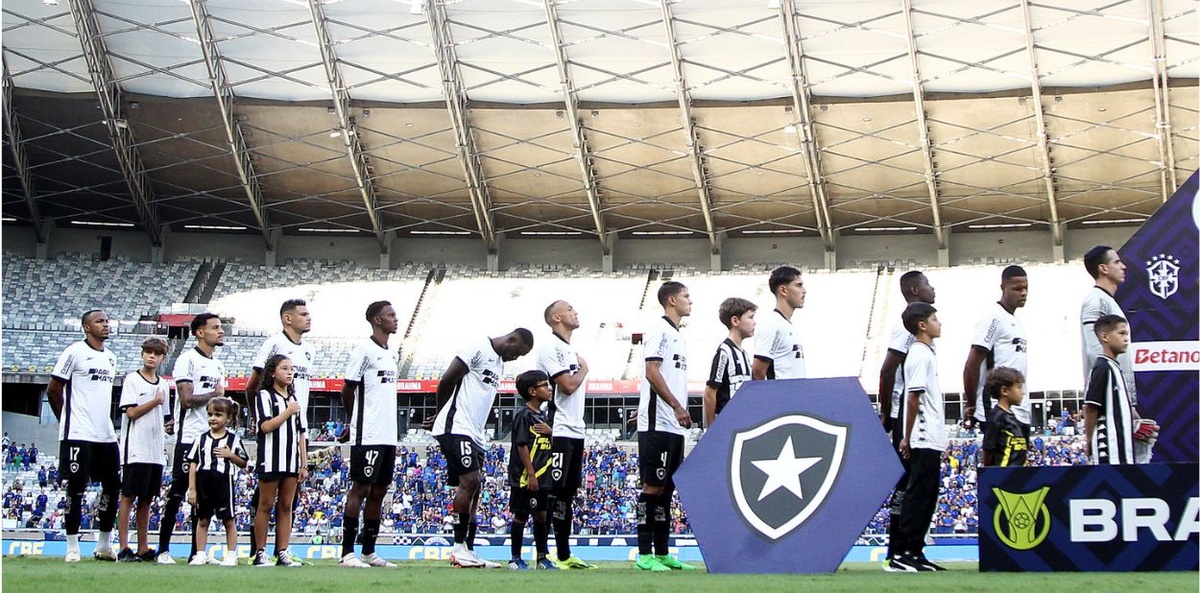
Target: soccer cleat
point(164, 558)
point(461, 557)
point(200, 559)
point(517, 564)
point(574, 563)
point(373, 559)
point(212, 561)
point(673, 564)
point(260, 559)
point(352, 561)
point(894, 565)
point(650, 562)
point(284, 558)
point(489, 564)
point(545, 563)
point(914, 562)
point(108, 555)
point(931, 565)
point(72, 556)
point(148, 555)
point(127, 555)
point(229, 559)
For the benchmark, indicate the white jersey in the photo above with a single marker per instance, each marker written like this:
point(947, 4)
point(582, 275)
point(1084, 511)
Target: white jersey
point(143, 439)
point(920, 374)
point(374, 368)
point(663, 343)
point(205, 374)
point(557, 357)
point(466, 413)
point(88, 376)
point(303, 357)
point(1002, 335)
point(777, 344)
point(899, 343)
point(1097, 304)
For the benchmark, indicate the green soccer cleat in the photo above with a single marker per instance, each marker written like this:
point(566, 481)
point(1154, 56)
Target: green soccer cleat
point(650, 562)
point(574, 563)
point(673, 564)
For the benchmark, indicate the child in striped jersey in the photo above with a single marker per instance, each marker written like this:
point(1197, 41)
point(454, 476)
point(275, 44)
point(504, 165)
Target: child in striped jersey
point(281, 449)
point(210, 481)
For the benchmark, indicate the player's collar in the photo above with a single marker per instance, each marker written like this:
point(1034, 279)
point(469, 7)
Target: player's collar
point(1105, 291)
point(384, 346)
point(565, 341)
point(289, 338)
point(782, 315)
point(201, 352)
point(668, 320)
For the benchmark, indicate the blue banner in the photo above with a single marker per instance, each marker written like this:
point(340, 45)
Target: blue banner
point(1089, 518)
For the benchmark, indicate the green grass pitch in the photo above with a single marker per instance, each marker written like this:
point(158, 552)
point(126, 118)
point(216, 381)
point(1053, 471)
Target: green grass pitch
point(46, 575)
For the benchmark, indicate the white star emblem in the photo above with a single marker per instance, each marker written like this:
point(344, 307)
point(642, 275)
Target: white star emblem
point(784, 471)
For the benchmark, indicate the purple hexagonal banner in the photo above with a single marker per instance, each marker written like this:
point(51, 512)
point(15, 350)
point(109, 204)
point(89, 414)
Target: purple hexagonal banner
point(787, 477)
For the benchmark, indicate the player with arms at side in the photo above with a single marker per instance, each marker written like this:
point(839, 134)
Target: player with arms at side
point(662, 416)
point(1106, 267)
point(80, 394)
point(370, 394)
point(465, 395)
point(568, 375)
point(730, 367)
point(915, 288)
point(1000, 341)
point(778, 353)
point(1108, 418)
point(199, 377)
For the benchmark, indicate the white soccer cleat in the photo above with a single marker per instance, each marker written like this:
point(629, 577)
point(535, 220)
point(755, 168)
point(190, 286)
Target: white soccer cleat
point(373, 559)
point(352, 561)
point(461, 557)
point(109, 555)
point(200, 559)
point(230, 559)
point(489, 564)
point(72, 556)
point(164, 558)
point(212, 560)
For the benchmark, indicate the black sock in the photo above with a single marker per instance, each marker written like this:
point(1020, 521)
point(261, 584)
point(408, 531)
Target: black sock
point(74, 513)
point(645, 527)
point(472, 528)
point(460, 528)
point(106, 508)
point(370, 533)
point(166, 524)
point(562, 523)
point(893, 547)
point(518, 536)
point(541, 537)
point(662, 525)
point(253, 517)
point(349, 534)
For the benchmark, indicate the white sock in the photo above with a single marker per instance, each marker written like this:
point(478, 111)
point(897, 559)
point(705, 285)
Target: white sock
point(104, 543)
point(73, 542)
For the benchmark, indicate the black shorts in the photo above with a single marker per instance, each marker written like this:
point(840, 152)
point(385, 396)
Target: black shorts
point(180, 466)
point(142, 481)
point(659, 455)
point(214, 495)
point(566, 465)
point(372, 464)
point(82, 462)
point(463, 456)
point(524, 502)
point(272, 476)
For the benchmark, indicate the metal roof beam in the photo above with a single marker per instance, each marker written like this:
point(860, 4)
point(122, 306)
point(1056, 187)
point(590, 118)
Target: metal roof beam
point(1043, 137)
point(1162, 100)
point(113, 111)
point(20, 161)
point(456, 103)
point(802, 112)
point(695, 154)
point(583, 154)
point(923, 127)
point(233, 129)
point(348, 127)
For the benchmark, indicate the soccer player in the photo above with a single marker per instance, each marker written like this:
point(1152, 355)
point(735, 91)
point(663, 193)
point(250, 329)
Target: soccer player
point(1000, 341)
point(1004, 443)
point(199, 377)
point(915, 288)
point(143, 397)
point(568, 375)
point(370, 395)
point(662, 416)
point(1105, 266)
point(1108, 419)
point(730, 367)
point(80, 394)
point(778, 353)
point(529, 464)
point(924, 440)
point(465, 395)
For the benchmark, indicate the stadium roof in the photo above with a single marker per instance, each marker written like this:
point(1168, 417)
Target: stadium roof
point(591, 117)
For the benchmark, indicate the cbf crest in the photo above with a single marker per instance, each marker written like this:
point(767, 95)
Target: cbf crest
point(781, 471)
point(1162, 272)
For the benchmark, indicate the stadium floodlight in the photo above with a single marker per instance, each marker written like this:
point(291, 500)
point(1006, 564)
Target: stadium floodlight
point(102, 223)
point(50, 2)
point(214, 227)
point(325, 230)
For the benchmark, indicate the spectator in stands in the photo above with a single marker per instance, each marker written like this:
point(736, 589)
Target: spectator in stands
point(33, 455)
point(42, 477)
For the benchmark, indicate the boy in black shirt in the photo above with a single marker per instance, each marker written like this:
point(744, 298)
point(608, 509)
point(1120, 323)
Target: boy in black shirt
point(528, 469)
point(1005, 442)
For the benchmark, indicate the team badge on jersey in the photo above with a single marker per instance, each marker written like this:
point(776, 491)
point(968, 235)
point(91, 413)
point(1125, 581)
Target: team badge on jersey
point(781, 471)
point(1162, 271)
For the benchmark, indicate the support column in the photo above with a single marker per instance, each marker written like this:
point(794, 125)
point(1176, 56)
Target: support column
point(831, 259)
point(43, 247)
point(385, 255)
point(606, 259)
point(715, 256)
point(158, 252)
point(944, 248)
point(1059, 242)
point(272, 254)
